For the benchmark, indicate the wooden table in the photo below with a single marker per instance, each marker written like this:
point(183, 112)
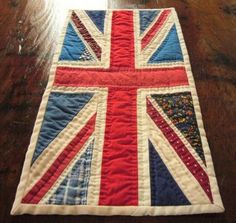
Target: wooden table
point(28, 30)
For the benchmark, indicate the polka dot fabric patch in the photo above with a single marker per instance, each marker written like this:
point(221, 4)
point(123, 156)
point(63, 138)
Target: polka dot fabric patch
point(119, 130)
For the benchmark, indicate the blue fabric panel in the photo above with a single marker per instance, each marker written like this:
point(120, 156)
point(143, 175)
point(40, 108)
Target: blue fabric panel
point(146, 17)
point(98, 18)
point(73, 47)
point(169, 50)
point(74, 188)
point(61, 109)
point(164, 190)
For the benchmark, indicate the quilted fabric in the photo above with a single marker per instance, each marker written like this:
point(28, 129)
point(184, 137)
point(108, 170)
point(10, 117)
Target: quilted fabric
point(119, 130)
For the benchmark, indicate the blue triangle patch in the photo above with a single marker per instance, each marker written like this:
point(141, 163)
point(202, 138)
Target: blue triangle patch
point(98, 18)
point(169, 50)
point(146, 17)
point(74, 188)
point(61, 109)
point(73, 47)
point(164, 189)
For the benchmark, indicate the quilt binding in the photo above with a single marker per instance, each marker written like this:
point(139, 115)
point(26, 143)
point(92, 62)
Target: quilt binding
point(35, 209)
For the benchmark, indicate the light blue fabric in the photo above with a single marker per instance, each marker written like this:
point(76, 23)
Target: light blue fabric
point(74, 188)
point(169, 50)
point(98, 18)
point(73, 47)
point(164, 189)
point(146, 17)
point(61, 109)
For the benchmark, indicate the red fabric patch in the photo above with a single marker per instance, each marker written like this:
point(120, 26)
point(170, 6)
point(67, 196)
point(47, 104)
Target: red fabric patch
point(122, 39)
point(119, 177)
point(135, 78)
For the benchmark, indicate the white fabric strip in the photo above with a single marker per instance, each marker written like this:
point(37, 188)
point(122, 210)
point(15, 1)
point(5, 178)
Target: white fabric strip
point(95, 174)
point(144, 192)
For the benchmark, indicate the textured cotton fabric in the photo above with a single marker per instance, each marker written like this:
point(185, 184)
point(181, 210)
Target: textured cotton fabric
point(119, 130)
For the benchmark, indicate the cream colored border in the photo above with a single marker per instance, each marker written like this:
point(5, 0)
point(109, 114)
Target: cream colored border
point(19, 208)
point(116, 210)
point(144, 190)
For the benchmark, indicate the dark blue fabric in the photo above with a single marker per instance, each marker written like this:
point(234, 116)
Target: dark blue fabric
point(73, 47)
point(146, 17)
point(98, 18)
point(169, 50)
point(61, 109)
point(164, 190)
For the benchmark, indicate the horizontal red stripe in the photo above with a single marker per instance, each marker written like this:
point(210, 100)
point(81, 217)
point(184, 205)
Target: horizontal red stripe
point(55, 170)
point(179, 147)
point(86, 35)
point(137, 78)
point(155, 28)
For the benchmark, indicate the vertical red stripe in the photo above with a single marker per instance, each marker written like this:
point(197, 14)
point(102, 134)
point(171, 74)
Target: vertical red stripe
point(179, 147)
point(155, 28)
point(119, 177)
point(122, 40)
point(55, 170)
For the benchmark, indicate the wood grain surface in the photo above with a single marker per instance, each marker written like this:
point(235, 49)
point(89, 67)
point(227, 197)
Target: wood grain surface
point(28, 30)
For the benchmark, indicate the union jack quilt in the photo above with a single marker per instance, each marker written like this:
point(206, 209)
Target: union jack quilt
point(119, 129)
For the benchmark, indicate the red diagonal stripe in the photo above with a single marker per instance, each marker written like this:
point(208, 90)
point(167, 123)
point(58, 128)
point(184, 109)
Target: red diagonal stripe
point(155, 28)
point(86, 35)
point(55, 170)
point(179, 147)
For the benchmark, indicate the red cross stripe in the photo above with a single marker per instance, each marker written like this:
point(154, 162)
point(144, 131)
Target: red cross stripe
point(122, 79)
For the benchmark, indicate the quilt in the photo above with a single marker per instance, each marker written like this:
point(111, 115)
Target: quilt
point(119, 130)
